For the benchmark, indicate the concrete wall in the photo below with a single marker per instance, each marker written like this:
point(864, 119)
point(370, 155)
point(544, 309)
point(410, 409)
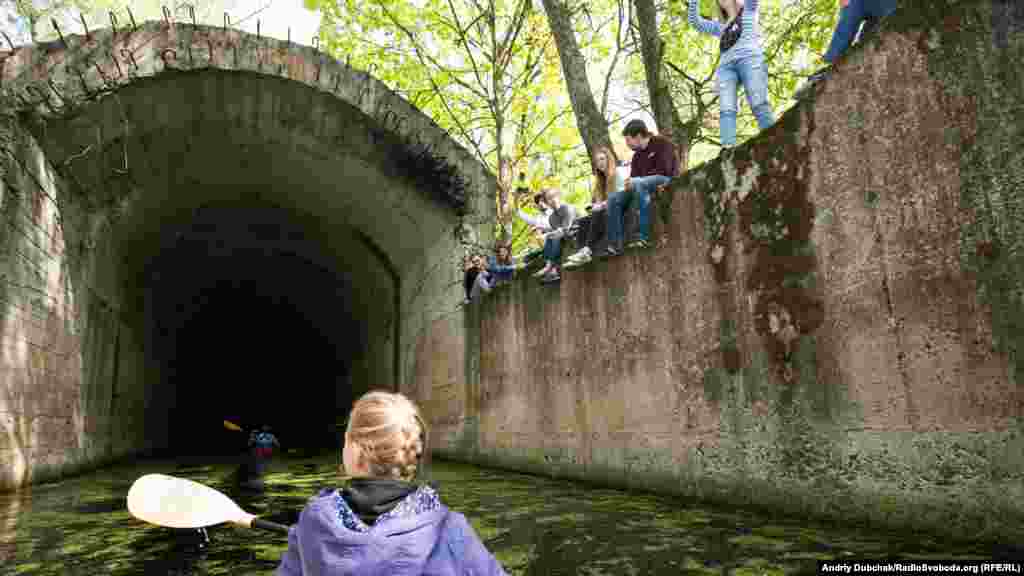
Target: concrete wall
point(62, 400)
point(829, 324)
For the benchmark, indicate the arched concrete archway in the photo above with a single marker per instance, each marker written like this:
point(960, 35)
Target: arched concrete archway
point(238, 227)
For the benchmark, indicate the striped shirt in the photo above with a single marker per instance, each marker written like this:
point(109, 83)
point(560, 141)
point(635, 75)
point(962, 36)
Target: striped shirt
point(749, 43)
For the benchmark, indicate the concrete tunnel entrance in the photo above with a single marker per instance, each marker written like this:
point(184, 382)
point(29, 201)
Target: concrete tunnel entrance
point(234, 245)
point(250, 327)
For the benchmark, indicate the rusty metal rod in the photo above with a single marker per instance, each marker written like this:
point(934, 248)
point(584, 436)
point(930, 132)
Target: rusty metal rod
point(131, 56)
point(81, 78)
point(132, 18)
point(116, 63)
point(53, 86)
point(59, 33)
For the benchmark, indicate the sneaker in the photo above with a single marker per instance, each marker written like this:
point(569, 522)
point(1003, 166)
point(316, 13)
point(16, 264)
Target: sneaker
point(812, 80)
point(581, 253)
point(542, 272)
point(609, 252)
point(551, 278)
point(579, 259)
point(639, 243)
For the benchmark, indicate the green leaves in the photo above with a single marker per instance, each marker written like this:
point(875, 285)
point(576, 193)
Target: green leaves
point(489, 73)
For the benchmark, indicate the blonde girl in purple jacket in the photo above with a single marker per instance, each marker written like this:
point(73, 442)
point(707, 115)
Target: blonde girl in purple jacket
point(384, 523)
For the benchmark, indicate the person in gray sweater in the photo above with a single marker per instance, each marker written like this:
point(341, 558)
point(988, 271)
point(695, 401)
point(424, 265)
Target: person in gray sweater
point(560, 221)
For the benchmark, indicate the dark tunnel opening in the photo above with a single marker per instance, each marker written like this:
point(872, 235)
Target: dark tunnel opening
point(249, 332)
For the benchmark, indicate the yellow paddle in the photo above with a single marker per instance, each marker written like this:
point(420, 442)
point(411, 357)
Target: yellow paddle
point(181, 503)
point(232, 426)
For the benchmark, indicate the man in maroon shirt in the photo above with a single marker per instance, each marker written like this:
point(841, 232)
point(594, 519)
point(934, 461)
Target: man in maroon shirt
point(654, 164)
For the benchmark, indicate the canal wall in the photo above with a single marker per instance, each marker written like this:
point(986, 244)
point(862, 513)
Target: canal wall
point(830, 324)
point(68, 393)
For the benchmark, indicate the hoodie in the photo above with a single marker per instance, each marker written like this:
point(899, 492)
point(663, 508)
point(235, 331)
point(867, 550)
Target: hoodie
point(418, 535)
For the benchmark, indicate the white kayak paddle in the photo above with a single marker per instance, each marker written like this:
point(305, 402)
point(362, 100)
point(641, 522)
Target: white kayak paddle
point(181, 503)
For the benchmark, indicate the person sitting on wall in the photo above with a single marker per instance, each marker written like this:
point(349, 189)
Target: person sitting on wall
point(608, 179)
point(653, 165)
point(537, 222)
point(502, 266)
point(476, 278)
point(560, 221)
point(854, 15)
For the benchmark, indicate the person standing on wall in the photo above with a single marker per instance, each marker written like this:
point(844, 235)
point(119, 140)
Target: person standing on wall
point(741, 62)
point(654, 164)
point(854, 16)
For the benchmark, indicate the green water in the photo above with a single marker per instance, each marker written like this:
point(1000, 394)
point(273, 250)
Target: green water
point(533, 525)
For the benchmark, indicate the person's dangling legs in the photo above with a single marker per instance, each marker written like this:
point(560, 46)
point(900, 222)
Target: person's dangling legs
point(850, 17)
point(728, 81)
point(754, 74)
point(617, 203)
point(643, 192)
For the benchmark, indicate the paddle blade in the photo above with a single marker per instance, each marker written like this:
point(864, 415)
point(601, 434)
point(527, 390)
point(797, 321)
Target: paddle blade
point(179, 503)
point(232, 426)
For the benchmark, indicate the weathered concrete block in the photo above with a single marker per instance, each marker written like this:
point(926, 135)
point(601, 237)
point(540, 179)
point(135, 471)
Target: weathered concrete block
point(831, 326)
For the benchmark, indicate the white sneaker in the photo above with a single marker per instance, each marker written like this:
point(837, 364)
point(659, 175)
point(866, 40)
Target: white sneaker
point(579, 259)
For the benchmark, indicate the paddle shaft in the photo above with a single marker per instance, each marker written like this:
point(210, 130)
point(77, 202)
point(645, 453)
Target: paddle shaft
point(268, 525)
point(251, 521)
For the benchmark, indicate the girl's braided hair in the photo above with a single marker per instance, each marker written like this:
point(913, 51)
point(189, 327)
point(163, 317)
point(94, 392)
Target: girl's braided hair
point(390, 431)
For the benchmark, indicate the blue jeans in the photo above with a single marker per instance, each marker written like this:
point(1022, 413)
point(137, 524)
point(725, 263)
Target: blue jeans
point(850, 19)
point(553, 250)
point(642, 189)
point(753, 74)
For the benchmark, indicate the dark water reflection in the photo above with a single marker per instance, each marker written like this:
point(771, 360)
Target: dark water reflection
point(534, 525)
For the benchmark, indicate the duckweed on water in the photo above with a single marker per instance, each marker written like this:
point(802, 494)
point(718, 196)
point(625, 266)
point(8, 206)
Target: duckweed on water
point(533, 525)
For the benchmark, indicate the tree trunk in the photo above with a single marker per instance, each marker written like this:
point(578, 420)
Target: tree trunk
point(592, 125)
point(652, 50)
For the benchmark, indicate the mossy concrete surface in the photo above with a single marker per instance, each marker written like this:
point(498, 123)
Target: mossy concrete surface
point(830, 322)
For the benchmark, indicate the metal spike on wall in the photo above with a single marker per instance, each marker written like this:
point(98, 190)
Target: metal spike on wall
point(59, 33)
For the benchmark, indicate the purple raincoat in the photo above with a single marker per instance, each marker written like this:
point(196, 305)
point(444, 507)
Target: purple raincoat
point(419, 537)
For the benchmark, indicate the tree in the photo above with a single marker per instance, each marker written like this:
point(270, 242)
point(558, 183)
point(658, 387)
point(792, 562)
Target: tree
point(591, 122)
point(483, 69)
point(664, 109)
